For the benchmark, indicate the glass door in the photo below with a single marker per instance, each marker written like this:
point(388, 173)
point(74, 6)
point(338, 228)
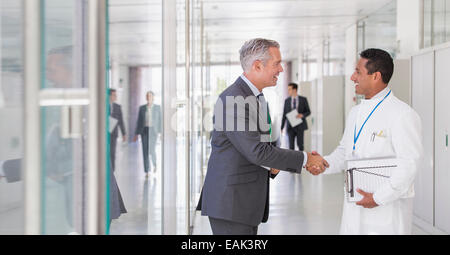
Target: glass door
point(66, 181)
point(64, 102)
point(12, 116)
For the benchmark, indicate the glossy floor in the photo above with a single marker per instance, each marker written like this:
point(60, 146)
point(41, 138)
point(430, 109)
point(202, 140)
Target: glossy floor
point(300, 204)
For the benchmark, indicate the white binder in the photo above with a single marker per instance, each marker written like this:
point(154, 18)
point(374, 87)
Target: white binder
point(368, 175)
point(292, 118)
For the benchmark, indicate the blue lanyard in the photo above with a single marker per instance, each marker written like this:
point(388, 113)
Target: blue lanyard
point(355, 137)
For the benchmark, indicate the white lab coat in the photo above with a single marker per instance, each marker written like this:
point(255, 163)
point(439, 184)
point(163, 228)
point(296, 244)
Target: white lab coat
point(398, 129)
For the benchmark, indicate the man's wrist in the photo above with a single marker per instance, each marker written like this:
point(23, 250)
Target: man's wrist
point(305, 158)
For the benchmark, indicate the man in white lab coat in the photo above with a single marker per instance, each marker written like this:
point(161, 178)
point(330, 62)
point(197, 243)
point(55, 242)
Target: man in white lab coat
point(380, 126)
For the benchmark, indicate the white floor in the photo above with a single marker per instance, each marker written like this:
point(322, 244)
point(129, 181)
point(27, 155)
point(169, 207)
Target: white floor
point(300, 204)
point(141, 195)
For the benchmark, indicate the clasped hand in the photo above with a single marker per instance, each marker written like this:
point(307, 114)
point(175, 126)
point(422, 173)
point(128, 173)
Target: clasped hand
point(316, 164)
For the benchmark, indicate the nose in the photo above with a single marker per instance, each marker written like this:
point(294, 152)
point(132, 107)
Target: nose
point(281, 69)
point(353, 77)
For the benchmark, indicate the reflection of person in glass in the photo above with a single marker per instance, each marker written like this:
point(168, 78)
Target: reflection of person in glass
point(57, 165)
point(61, 155)
point(148, 126)
point(115, 111)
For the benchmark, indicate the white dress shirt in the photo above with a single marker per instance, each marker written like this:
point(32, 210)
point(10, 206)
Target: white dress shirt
point(148, 116)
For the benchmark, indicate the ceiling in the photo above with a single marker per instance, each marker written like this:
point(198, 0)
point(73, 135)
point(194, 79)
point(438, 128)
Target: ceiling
point(298, 25)
point(136, 26)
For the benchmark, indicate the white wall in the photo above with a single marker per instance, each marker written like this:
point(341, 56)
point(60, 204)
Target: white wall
point(401, 80)
point(409, 23)
point(351, 56)
point(305, 89)
point(327, 110)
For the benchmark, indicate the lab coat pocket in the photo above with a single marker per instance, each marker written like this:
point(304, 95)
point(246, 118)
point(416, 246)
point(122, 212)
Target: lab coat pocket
point(379, 144)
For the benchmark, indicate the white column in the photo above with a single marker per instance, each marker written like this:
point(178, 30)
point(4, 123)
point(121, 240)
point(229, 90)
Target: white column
point(169, 217)
point(409, 27)
point(96, 164)
point(32, 151)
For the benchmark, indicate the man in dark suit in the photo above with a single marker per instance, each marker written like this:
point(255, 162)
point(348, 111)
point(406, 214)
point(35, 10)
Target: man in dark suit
point(148, 127)
point(115, 111)
point(301, 104)
point(235, 194)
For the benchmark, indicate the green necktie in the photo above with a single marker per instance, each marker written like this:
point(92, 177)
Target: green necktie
point(268, 118)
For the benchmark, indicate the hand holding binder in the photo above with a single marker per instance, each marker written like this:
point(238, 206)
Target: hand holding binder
point(367, 175)
point(367, 201)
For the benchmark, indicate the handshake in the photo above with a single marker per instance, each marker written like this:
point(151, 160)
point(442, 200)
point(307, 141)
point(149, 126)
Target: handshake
point(316, 164)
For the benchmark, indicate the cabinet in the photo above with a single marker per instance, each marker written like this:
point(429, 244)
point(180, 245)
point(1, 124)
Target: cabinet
point(442, 154)
point(422, 85)
point(327, 109)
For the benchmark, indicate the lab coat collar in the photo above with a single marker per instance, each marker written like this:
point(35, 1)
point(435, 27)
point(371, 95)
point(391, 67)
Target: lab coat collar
point(378, 96)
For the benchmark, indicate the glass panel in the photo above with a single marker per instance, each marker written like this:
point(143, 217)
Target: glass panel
point(427, 23)
point(439, 22)
point(436, 22)
point(62, 124)
point(196, 145)
point(181, 115)
point(447, 20)
point(380, 29)
point(11, 117)
point(135, 48)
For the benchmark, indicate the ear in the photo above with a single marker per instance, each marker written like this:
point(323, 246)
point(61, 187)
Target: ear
point(258, 65)
point(377, 76)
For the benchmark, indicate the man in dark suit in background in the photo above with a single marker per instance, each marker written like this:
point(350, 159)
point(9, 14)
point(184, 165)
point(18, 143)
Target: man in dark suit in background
point(148, 126)
point(115, 111)
point(301, 104)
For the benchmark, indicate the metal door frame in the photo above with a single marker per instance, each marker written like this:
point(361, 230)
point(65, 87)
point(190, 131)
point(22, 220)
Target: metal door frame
point(97, 195)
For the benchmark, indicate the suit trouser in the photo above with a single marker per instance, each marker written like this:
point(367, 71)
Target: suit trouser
point(293, 133)
point(225, 227)
point(112, 151)
point(148, 146)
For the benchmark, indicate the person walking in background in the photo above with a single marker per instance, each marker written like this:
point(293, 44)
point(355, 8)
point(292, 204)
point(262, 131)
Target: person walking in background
point(299, 103)
point(115, 112)
point(148, 127)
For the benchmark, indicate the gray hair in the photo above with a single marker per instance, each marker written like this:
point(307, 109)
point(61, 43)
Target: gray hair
point(256, 49)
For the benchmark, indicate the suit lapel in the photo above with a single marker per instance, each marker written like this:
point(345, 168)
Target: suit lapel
point(248, 92)
point(241, 83)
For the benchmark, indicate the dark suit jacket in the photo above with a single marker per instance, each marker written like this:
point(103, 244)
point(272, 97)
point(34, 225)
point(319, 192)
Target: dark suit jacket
point(302, 107)
point(156, 119)
point(236, 187)
point(117, 114)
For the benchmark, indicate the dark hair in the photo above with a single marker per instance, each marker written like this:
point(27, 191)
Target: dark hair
point(379, 61)
point(111, 91)
point(293, 85)
point(150, 92)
